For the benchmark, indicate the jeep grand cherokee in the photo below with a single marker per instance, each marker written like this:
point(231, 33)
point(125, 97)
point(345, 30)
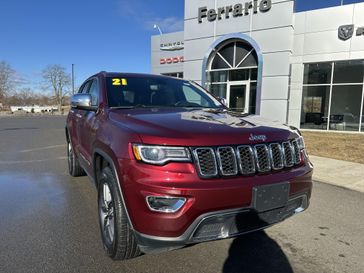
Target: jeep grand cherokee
point(173, 166)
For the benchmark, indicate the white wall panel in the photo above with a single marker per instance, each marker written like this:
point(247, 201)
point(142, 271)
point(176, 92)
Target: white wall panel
point(298, 44)
point(233, 24)
point(196, 49)
point(275, 88)
point(295, 99)
point(299, 23)
point(324, 42)
point(329, 19)
point(294, 117)
point(194, 30)
point(357, 42)
point(275, 110)
point(276, 64)
point(279, 39)
point(326, 57)
point(280, 15)
point(358, 18)
point(296, 73)
point(192, 70)
point(356, 54)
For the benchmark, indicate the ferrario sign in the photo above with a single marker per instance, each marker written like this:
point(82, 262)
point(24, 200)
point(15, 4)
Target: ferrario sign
point(236, 10)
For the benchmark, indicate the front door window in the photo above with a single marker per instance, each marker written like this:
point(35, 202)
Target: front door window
point(237, 100)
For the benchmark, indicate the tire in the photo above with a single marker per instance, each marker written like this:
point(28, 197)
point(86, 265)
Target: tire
point(74, 167)
point(117, 237)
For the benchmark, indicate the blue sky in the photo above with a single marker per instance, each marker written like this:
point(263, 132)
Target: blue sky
point(111, 35)
point(303, 5)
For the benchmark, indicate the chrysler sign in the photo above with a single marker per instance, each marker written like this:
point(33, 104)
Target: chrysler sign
point(236, 10)
point(172, 46)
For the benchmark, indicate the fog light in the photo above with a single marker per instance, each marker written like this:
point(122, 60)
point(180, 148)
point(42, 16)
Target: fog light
point(165, 204)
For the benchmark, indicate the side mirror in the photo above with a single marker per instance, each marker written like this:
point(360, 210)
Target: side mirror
point(82, 102)
point(222, 100)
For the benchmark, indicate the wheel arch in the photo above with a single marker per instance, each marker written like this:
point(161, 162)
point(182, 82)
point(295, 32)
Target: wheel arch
point(100, 160)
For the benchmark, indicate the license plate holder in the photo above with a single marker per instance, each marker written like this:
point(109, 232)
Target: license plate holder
point(270, 196)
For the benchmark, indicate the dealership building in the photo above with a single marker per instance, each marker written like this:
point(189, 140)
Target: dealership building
point(302, 68)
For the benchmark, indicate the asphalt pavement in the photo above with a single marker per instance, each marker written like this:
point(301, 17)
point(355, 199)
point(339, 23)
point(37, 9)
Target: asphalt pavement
point(48, 220)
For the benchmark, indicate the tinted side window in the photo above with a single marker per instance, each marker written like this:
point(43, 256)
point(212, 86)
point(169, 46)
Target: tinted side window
point(84, 88)
point(94, 92)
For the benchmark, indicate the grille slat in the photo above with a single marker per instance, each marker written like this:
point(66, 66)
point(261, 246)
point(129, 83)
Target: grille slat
point(288, 154)
point(246, 159)
point(262, 158)
point(227, 161)
point(296, 152)
point(206, 161)
point(276, 156)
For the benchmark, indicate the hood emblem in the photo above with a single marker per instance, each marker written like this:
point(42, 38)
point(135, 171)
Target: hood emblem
point(345, 32)
point(257, 137)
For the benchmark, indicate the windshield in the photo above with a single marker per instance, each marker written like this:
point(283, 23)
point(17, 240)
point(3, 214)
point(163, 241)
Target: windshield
point(130, 92)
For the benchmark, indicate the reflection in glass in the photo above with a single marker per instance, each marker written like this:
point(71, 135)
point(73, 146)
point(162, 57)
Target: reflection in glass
point(362, 120)
point(345, 107)
point(253, 98)
point(218, 90)
point(348, 72)
point(217, 76)
point(319, 73)
point(239, 75)
point(315, 107)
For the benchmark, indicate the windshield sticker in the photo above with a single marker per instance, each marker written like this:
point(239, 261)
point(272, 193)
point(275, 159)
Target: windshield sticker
point(119, 82)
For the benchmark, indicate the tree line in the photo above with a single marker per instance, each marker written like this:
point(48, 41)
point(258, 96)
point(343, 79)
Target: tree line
point(55, 79)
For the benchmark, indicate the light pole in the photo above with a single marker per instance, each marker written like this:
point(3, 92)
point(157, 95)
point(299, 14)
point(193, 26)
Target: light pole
point(159, 29)
point(73, 79)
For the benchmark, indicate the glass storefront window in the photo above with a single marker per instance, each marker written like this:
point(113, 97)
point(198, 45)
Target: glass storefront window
point(362, 119)
point(218, 90)
point(319, 73)
point(239, 75)
point(253, 98)
point(343, 112)
point(315, 107)
point(254, 74)
point(345, 107)
point(218, 76)
point(348, 72)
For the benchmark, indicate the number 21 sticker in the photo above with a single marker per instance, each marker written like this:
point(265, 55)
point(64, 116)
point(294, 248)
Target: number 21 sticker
point(118, 82)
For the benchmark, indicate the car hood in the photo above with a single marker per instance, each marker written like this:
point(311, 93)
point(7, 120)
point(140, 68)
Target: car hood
point(202, 127)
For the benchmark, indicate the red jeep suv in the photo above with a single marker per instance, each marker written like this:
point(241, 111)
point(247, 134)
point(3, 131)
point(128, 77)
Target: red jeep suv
point(173, 166)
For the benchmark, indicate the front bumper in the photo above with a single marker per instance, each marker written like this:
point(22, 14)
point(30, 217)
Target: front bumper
point(222, 225)
point(215, 208)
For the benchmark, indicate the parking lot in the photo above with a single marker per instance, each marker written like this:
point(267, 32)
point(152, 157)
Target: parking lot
point(48, 220)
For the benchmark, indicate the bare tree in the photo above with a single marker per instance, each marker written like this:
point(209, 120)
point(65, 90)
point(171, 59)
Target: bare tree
point(7, 79)
point(59, 80)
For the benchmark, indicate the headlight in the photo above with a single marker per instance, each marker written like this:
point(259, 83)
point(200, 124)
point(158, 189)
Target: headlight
point(301, 143)
point(160, 154)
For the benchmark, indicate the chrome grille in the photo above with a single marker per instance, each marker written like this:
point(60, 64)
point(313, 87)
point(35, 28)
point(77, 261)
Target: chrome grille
point(227, 161)
point(206, 161)
point(296, 152)
point(276, 155)
point(262, 158)
point(288, 154)
point(246, 159)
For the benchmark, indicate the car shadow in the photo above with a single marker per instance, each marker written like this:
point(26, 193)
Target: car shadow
point(256, 252)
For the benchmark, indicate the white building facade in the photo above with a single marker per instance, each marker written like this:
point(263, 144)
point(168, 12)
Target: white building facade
point(305, 69)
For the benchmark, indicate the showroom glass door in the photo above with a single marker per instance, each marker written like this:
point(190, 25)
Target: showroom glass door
point(238, 97)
